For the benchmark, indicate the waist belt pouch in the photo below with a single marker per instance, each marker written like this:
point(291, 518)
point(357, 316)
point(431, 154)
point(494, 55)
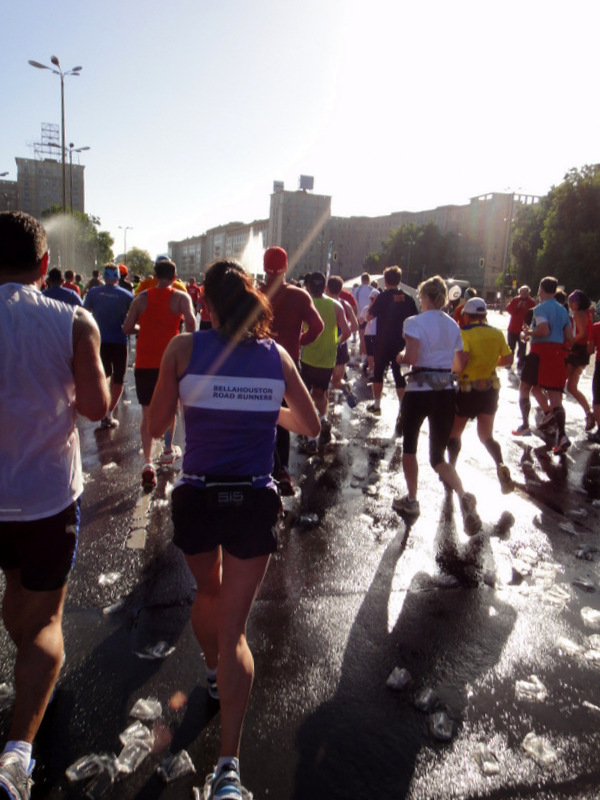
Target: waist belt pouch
point(435, 380)
point(222, 493)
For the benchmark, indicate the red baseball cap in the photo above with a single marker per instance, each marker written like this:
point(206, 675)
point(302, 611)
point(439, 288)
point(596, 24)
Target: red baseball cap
point(275, 261)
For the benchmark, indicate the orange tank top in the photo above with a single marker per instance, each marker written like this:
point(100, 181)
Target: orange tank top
point(158, 325)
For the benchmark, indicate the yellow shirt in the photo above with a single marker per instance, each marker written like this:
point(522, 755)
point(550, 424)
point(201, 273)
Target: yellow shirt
point(151, 281)
point(485, 345)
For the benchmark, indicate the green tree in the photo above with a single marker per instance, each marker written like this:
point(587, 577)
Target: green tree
point(571, 234)
point(371, 263)
point(561, 235)
point(75, 241)
point(139, 262)
point(420, 250)
point(526, 241)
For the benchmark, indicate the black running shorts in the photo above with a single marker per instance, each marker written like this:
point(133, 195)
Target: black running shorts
point(245, 532)
point(43, 549)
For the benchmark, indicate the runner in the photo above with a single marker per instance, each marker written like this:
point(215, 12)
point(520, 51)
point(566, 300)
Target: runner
point(485, 349)
point(579, 357)
point(293, 309)
point(50, 373)
point(318, 359)
point(595, 346)
point(109, 305)
point(518, 308)
point(545, 364)
point(391, 309)
point(56, 290)
point(158, 312)
point(334, 290)
point(361, 295)
point(433, 349)
point(231, 382)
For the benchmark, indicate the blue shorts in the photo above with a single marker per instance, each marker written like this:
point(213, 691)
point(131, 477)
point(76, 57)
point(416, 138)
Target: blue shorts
point(43, 549)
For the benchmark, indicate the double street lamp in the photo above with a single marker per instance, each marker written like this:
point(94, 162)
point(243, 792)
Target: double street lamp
point(58, 71)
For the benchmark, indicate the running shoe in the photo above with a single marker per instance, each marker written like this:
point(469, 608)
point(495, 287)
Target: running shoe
point(211, 685)
point(373, 409)
point(225, 785)
point(548, 420)
point(148, 476)
point(284, 482)
point(170, 456)
point(325, 435)
point(506, 482)
point(406, 506)
point(522, 430)
point(311, 447)
point(109, 422)
point(590, 422)
point(561, 446)
point(351, 398)
point(471, 519)
point(15, 782)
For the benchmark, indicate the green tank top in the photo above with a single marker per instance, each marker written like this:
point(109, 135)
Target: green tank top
point(322, 352)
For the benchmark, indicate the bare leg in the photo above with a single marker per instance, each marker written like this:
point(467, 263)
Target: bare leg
point(34, 622)
point(411, 474)
point(240, 584)
point(206, 569)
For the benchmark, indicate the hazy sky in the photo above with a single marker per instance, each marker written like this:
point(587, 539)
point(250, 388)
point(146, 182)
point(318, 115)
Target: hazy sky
point(193, 108)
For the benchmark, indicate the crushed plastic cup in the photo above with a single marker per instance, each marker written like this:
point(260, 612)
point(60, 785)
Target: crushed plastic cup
point(109, 578)
point(426, 699)
point(146, 709)
point(533, 689)
point(174, 766)
point(84, 768)
point(584, 583)
point(592, 656)
point(7, 695)
point(577, 513)
point(308, 520)
point(557, 595)
point(539, 749)
point(485, 759)
point(567, 527)
point(104, 779)
point(441, 726)
point(568, 647)
point(154, 652)
point(590, 617)
point(132, 755)
point(399, 678)
point(585, 553)
point(137, 732)
point(112, 609)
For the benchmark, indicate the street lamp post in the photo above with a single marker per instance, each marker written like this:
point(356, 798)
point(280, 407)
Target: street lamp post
point(58, 71)
point(125, 229)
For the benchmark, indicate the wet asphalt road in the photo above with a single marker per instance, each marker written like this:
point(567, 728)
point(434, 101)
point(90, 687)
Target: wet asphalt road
point(348, 598)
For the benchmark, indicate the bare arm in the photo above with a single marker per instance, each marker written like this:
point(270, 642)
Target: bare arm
point(460, 361)
point(91, 387)
point(342, 322)
point(301, 415)
point(186, 309)
point(410, 354)
point(314, 325)
point(136, 309)
point(166, 394)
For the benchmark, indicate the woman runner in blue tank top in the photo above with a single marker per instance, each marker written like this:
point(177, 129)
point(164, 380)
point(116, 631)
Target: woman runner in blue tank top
point(230, 381)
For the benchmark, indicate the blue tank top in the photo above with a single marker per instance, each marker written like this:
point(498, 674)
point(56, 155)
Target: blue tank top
point(231, 396)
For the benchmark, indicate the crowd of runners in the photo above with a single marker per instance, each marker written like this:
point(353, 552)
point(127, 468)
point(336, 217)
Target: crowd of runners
point(247, 364)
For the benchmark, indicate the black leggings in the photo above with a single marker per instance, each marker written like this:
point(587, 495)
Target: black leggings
point(438, 407)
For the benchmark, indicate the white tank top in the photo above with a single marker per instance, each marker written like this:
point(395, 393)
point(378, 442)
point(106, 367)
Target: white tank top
point(40, 462)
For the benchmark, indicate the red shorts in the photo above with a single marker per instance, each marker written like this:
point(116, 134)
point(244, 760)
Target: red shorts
point(552, 370)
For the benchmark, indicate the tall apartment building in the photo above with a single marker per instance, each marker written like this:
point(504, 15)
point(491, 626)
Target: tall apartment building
point(39, 184)
point(298, 222)
point(301, 222)
point(244, 242)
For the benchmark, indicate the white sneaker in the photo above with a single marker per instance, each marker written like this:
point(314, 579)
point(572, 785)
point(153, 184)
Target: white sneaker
point(13, 779)
point(405, 505)
point(170, 456)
